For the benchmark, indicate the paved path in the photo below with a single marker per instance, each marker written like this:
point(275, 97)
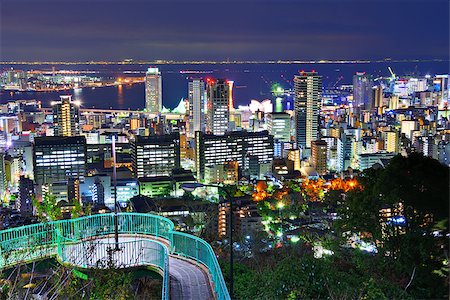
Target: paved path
point(188, 281)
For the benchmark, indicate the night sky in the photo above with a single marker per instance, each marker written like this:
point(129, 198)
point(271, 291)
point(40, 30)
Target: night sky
point(218, 30)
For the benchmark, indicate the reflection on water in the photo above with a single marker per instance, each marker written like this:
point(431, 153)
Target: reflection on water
point(120, 98)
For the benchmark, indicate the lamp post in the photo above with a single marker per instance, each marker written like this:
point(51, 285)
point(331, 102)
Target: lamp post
point(190, 187)
point(116, 225)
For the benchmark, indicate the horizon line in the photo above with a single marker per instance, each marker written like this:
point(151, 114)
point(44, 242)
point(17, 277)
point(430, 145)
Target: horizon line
point(174, 62)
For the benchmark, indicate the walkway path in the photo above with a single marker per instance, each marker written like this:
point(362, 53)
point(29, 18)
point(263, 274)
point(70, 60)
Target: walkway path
point(188, 281)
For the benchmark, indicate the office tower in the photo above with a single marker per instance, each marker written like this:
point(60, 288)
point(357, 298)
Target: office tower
point(66, 116)
point(213, 150)
point(153, 90)
point(218, 103)
point(362, 90)
point(155, 155)
point(279, 125)
point(197, 100)
point(319, 156)
point(59, 159)
point(26, 192)
point(308, 90)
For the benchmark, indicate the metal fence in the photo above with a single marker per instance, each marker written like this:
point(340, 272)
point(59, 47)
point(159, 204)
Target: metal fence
point(71, 241)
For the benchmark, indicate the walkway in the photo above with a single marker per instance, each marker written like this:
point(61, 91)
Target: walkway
point(188, 281)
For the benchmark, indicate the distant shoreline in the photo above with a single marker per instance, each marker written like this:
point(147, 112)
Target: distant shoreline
point(171, 62)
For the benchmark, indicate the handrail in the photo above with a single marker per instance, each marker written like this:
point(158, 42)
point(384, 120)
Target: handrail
point(28, 243)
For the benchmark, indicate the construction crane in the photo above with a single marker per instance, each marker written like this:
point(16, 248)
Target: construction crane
point(393, 77)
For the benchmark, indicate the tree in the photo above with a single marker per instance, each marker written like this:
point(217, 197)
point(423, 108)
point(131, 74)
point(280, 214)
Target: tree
point(400, 208)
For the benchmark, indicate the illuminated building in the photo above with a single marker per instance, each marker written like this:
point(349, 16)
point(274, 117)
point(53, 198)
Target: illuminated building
point(391, 141)
point(184, 146)
point(218, 102)
point(97, 190)
point(126, 189)
point(440, 86)
point(234, 146)
point(66, 117)
point(344, 151)
point(153, 90)
point(226, 173)
point(408, 127)
point(279, 125)
point(155, 155)
point(362, 90)
point(155, 187)
point(319, 156)
point(378, 99)
point(197, 100)
point(367, 160)
point(58, 159)
point(294, 156)
point(307, 102)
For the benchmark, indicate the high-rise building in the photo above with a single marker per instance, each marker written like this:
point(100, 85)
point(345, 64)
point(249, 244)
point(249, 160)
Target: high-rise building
point(319, 156)
point(59, 159)
point(26, 192)
point(218, 105)
point(153, 90)
point(213, 150)
point(391, 141)
point(155, 155)
point(279, 125)
point(362, 90)
point(308, 91)
point(66, 116)
point(378, 99)
point(197, 100)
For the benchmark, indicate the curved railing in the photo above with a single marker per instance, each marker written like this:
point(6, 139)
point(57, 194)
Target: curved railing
point(37, 241)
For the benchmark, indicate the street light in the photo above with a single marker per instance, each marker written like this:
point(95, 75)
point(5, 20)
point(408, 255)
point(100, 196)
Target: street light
point(192, 186)
point(116, 225)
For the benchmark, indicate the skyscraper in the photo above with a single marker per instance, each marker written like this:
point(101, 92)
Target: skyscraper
point(362, 90)
point(66, 116)
point(153, 90)
point(197, 98)
point(307, 101)
point(218, 102)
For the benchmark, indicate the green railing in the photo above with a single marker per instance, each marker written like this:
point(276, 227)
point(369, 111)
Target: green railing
point(27, 243)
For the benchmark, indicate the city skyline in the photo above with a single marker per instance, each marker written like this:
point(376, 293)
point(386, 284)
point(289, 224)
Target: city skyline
point(269, 30)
